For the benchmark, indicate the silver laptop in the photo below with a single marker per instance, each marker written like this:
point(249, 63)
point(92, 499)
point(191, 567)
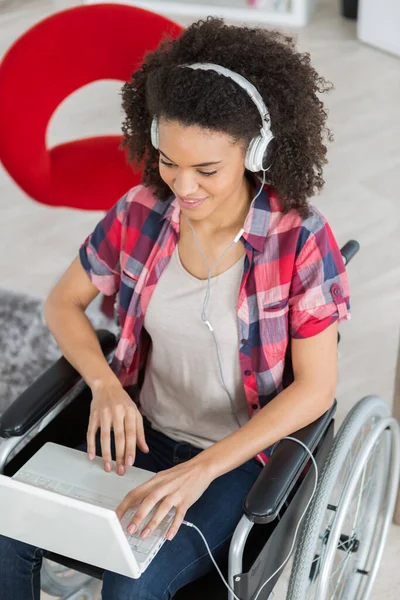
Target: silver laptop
point(64, 503)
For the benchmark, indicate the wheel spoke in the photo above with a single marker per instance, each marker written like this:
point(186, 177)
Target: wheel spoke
point(341, 580)
point(359, 500)
point(351, 495)
point(339, 565)
point(365, 487)
point(338, 577)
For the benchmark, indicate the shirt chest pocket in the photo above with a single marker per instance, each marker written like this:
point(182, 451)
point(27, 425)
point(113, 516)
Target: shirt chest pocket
point(127, 289)
point(277, 308)
point(274, 326)
point(129, 279)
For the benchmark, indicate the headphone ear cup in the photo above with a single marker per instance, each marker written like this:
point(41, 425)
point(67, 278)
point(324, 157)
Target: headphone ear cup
point(154, 133)
point(250, 154)
point(257, 155)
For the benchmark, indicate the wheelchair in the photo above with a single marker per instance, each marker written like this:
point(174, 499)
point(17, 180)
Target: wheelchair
point(341, 538)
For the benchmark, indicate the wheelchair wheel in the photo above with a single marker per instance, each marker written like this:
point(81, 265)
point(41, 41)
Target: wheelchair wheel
point(60, 581)
point(344, 532)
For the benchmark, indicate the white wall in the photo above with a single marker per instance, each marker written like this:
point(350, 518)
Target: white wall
point(379, 24)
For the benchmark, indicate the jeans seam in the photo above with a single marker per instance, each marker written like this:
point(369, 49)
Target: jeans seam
point(195, 561)
point(31, 571)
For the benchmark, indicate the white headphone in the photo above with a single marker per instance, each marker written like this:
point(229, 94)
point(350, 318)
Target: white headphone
point(256, 151)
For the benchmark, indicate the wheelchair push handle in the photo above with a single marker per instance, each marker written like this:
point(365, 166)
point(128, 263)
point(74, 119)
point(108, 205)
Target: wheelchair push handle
point(349, 250)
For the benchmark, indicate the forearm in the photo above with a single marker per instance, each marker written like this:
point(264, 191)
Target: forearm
point(294, 408)
point(78, 342)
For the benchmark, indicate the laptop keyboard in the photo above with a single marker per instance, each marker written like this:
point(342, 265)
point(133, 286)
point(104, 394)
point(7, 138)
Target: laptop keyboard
point(137, 544)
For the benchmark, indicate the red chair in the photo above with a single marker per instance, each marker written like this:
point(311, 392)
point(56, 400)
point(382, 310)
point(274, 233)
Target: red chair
point(54, 58)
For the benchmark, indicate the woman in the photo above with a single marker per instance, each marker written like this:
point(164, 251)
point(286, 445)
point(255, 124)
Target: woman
point(220, 278)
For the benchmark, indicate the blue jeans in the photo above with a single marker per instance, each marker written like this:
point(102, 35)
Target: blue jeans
point(179, 561)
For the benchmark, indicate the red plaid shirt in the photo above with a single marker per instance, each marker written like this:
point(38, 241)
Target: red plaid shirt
point(294, 282)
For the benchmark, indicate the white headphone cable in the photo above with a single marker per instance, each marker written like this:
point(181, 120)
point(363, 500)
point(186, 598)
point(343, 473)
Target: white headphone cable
point(188, 524)
point(204, 317)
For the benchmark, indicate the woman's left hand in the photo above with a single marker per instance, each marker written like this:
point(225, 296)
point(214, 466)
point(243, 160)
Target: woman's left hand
point(178, 487)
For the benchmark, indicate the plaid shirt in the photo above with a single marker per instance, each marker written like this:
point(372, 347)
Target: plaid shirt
point(294, 282)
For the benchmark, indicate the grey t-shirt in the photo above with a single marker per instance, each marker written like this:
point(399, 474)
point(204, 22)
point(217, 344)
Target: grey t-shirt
point(182, 393)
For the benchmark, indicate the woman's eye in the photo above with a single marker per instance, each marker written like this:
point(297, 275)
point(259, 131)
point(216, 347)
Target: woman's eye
point(205, 173)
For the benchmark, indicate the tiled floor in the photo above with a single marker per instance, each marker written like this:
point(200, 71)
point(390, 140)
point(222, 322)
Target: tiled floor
point(360, 201)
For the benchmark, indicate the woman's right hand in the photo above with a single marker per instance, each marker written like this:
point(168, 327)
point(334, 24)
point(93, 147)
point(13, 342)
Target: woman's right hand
point(113, 408)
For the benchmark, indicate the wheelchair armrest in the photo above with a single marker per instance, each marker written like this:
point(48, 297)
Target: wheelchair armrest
point(278, 477)
point(36, 401)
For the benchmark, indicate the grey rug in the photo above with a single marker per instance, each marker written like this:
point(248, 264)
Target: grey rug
point(27, 348)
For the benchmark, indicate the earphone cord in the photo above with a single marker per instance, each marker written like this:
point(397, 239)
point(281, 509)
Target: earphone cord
point(204, 314)
point(204, 317)
point(188, 524)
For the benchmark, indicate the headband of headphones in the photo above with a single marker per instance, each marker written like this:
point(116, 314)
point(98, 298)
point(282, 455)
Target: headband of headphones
point(256, 151)
point(240, 80)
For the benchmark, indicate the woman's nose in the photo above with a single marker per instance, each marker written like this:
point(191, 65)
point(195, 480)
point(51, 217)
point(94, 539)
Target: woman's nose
point(184, 185)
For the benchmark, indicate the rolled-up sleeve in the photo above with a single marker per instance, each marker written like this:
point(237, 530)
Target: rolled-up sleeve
point(320, 290)
point(100, 252)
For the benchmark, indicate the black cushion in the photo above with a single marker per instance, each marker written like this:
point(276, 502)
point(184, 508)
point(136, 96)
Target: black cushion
point(278, 477)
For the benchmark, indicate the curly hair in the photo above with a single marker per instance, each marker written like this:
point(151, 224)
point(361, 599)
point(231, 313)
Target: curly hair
point(269, 60)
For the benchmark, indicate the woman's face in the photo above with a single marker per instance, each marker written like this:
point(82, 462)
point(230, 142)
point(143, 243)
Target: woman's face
point(204, 169)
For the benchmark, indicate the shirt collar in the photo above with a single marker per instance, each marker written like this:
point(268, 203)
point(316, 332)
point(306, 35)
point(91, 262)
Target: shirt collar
point(256, 225)
point(172, 212)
